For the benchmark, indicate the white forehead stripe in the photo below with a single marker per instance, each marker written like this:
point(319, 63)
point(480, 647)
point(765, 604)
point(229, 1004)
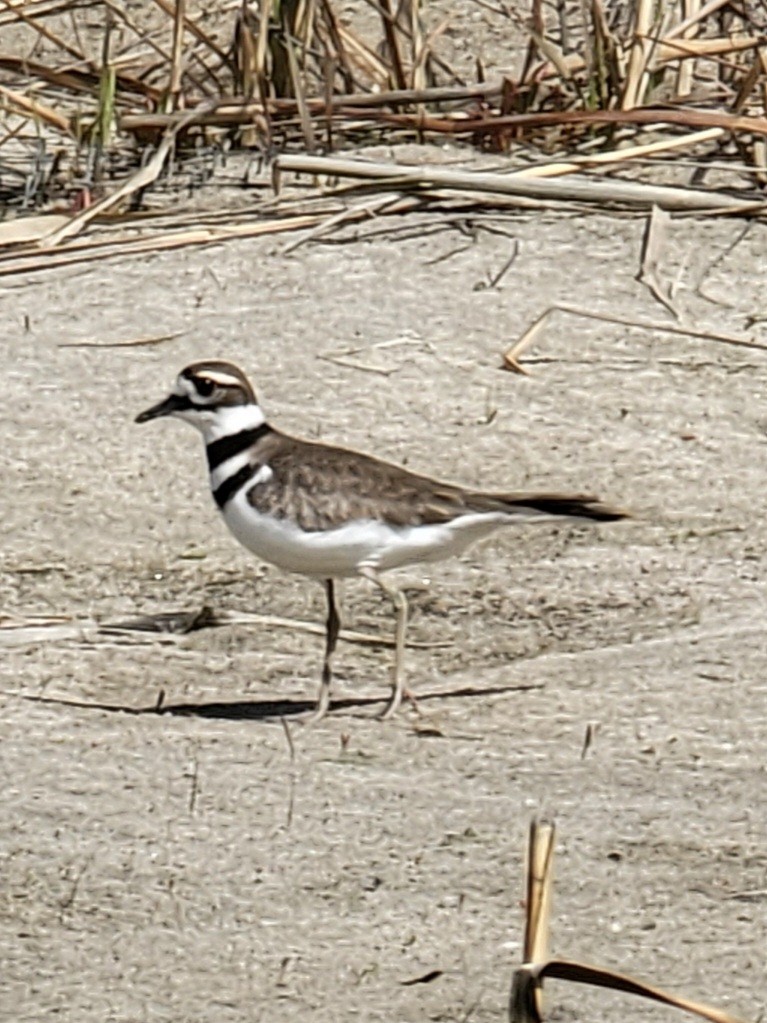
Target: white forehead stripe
point(222, 379)
point(184, 386)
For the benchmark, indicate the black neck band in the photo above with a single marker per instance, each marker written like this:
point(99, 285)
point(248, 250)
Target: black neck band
point(226, 447)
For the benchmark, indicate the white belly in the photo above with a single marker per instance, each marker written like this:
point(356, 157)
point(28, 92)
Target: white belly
point(344, 550)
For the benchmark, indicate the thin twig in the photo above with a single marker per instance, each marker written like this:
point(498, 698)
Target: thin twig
point(652, 245)
point(138, 342)
point(496, 279)
point(177, 51)
point(511, 356)
point(292, 786)
point(194, 785)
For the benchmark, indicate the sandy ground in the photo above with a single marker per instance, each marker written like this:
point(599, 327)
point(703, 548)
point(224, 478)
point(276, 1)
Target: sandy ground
point(183, 866)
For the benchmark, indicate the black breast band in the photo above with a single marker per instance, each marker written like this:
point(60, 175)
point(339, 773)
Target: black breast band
point(225, 491)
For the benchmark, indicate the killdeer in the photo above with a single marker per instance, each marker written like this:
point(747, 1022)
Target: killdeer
point(328, 512)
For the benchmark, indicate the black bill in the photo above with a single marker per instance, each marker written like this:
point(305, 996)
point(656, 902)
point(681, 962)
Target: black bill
point(173, 403)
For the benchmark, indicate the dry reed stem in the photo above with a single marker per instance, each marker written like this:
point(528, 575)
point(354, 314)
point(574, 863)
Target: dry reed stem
point(336, 50)
point(262, 45)
point(392, 42)
point(365, 58)
point(50, 257)
point(74, 79)
point(177, 57)
point(526, 999)
point(192, 78)
point(314, 47)
point(455, 125)
point(512, 354)
point(540, 876)
point(420, 47)
point(595, 976)
point(630, 193)
point(762, 58)
point(613, 156)
point(504, 123)
point(653, 243)
point(228, 111)
point(31, 108)
point(669, 50)
point(34, 629)
point(695, 19)
point(194, 28)
point(156, 94)
point(136, 342)
point(371, 206)
point(637, 67)
point(23, 230)
point(300, 94)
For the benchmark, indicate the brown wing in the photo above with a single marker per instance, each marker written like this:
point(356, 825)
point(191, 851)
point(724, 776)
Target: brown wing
point(320, 487)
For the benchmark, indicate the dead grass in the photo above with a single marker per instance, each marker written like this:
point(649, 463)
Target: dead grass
point(87, 88)
point(105, 109)
point(526, 1001)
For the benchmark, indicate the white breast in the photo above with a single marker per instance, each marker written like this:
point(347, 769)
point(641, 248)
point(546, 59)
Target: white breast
point(344, 550)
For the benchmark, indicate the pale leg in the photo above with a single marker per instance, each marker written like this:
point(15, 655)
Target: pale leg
point(399, 600)
point(332, 628)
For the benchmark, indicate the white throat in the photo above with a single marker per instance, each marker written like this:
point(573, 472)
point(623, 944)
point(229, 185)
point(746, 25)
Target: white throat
point(225, 421)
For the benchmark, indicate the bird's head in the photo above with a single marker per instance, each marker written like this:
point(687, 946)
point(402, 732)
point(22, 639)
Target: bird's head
point(215, 397)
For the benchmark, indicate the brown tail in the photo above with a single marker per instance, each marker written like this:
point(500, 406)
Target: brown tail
point(580, 506)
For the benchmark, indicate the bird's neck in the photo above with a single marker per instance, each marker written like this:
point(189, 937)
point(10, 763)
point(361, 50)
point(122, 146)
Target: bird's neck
point(229, 448)
point(232, 420)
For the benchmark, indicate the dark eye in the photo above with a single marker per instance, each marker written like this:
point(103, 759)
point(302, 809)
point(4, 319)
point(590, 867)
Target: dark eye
point(204, 387)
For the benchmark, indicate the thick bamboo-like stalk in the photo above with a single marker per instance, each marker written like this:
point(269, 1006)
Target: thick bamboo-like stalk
point(631, 193)
point(637, 69)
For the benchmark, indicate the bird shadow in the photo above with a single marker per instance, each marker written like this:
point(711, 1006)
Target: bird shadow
point(258, 710)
